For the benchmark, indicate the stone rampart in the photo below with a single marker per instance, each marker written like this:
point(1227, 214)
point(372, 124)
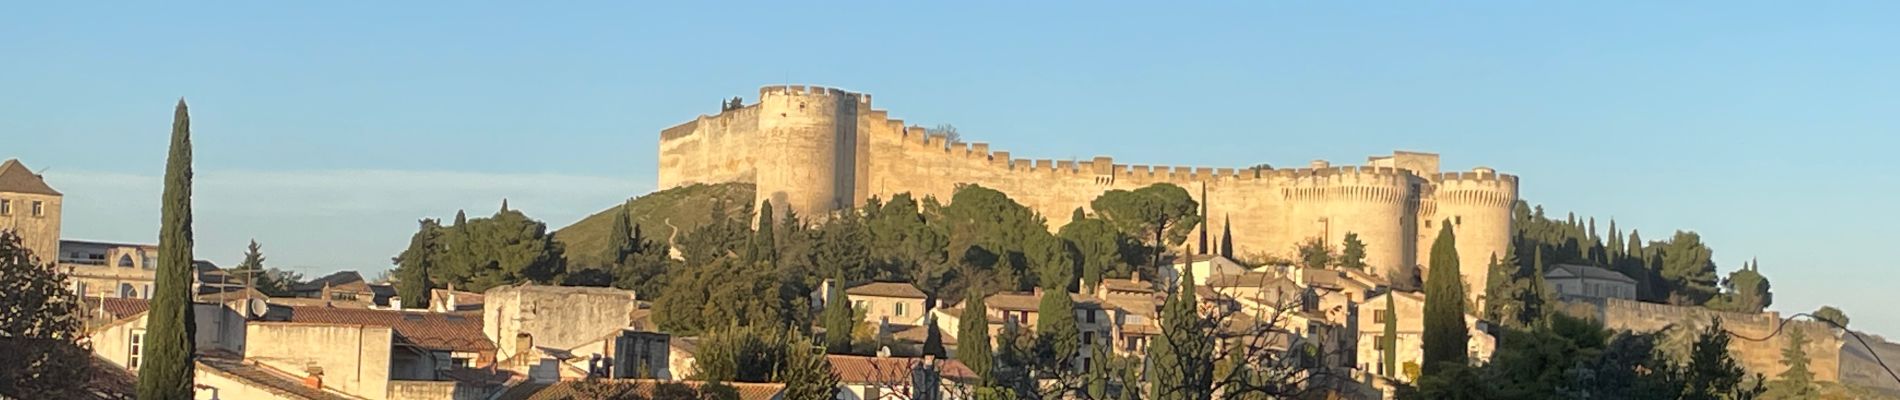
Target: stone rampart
point(816, 149)
point(1764, 357)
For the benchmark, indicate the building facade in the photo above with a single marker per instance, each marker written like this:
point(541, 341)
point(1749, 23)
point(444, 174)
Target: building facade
point(30, 208)
point(816, 149)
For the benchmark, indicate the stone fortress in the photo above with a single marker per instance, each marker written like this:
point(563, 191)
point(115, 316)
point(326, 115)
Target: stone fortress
point(816, 149)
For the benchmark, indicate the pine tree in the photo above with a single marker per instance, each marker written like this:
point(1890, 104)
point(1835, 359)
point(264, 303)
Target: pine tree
point(252, 271)
point(167, 366)
point(1445, 335)
point(1390, 340)
point(973, 336)
point(1796, 382)
point(839, 317)
point(1352, 254)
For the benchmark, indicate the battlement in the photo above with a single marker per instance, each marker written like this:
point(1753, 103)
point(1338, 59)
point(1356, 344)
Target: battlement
point(812, 90)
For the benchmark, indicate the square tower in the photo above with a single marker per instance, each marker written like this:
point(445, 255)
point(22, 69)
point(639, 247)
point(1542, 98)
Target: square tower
point(31, 209)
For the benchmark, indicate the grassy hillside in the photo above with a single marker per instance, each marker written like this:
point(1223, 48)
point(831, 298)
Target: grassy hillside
point(683, 207)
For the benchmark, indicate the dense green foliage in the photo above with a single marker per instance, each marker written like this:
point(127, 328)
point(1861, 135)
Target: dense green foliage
point(166, 370)
point(763, 354)
point(1058, 338)
point(1160, 215)
point(1445, 334)
point(839, 318)
point(1797, 382)
point(42, 339)
point(413, 265)
point(1831, 315)
point(1745, 291)
point(1571, 358)
point(482, 253)
point(1389, 338)
point(1352, 252)
point(1100, 248)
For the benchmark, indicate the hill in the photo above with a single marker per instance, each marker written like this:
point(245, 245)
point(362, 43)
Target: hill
point(658, 215)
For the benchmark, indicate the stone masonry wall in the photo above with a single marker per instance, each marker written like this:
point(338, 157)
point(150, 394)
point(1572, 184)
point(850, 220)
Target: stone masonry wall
point(815, 149)
point(1824, 346)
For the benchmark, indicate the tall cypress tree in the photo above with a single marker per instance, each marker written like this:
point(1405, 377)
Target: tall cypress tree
point(414, 264)
point(839, 317)
point(1183, 356)
point(973, 336)
point(1227, 237)
point(764, 243)
point(619, 238)
point(1390, 341)
point(1445, 336)
point(167, 363)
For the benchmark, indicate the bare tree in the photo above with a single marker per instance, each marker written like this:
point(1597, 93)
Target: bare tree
point(948, 131)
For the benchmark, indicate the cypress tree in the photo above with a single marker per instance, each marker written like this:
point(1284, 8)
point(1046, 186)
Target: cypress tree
point(167, 363)
point(619, 238)
point(413, 265)
point(1227, 237)
point(933, 338)
point(1183, 355)
point(764, 243)
point(1445, 335)
point(973, 336)
point(1391, 338)
point(839, 317)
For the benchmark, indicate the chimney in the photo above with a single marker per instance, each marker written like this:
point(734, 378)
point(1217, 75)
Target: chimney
point(1038, 292)
point(315, 379)
point(395, 303)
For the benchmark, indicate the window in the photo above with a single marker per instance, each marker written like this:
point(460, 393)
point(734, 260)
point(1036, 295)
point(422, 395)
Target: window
point(148, 291)
point(1458, 220)
point(6, 207)
point(138, 340)
point(39, 208)
point(125, 261)
point(1378, 343)
point(898, 309)
point(1378, 316)
point(80, 288)
point(127, 292)
point(1085, 363)
point(1088, 337)
point(1089, 315)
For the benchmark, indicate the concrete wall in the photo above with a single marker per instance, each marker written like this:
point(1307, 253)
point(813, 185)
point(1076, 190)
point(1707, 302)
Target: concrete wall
point(1824, 346)
point(556, 317)
point(40, 233)
point(814, 149)
point(114, 342)
point(355, 359)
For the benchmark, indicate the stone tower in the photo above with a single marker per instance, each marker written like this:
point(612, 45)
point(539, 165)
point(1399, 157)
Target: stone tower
point(30, 208)
point(810, 134)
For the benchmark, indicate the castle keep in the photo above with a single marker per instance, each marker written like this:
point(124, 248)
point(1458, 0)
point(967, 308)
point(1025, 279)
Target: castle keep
point(815, 149)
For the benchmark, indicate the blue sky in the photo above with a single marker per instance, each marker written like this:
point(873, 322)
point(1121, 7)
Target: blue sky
point(326, 131)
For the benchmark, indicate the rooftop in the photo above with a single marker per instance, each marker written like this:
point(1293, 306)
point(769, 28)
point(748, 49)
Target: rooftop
point(1589, 272)
point(864, 369)
point(16, 178)
point(429, 330)
point(640, 388)
point(886, 289)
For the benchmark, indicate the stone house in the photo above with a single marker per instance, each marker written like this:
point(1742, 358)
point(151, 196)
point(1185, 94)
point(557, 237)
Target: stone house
point(918, 378)
point(30, 208)
point(1582, 281)
point(1411, 328)
point(888, 302)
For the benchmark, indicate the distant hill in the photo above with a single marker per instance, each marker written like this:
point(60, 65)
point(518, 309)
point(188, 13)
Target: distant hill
point(657, 214)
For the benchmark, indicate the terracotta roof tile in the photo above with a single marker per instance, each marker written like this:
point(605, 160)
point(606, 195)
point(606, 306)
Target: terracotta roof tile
point(436, 331)
point(274, 382)
point(886, 289)
point(862, 369)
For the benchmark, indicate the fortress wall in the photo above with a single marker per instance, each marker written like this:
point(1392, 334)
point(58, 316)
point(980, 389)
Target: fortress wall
point(710, 149)
point(1368, 201)
point(1478, 204)
point(806, 148)
point(1824, 346)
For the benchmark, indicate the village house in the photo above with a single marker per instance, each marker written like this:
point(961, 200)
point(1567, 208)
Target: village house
point(1410, 341)
point(1570, 281)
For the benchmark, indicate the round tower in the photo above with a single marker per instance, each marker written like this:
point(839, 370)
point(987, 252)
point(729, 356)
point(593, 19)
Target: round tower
point(1367, 201)
point(808, 148)
point(1478, 205)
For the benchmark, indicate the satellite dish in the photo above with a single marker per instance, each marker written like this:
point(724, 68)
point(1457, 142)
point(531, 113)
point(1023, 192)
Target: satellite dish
point(256, 308)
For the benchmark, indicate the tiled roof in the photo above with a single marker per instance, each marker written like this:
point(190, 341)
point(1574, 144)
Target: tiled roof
point(643, 388)
point(429, 330)
point(117, 308)
point(886, 289)
point(16, 178)
point(234, 367)
point(1020, 301)
point(1591, 273)
point(863, 369)
point(1125, 285)
point(337, 279)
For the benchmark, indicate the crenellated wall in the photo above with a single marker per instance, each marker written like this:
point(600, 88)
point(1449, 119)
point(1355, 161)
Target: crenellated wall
point(1824, 344)
point(816, 149)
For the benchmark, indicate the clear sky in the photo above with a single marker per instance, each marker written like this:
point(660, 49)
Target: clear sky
point(326, 131)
